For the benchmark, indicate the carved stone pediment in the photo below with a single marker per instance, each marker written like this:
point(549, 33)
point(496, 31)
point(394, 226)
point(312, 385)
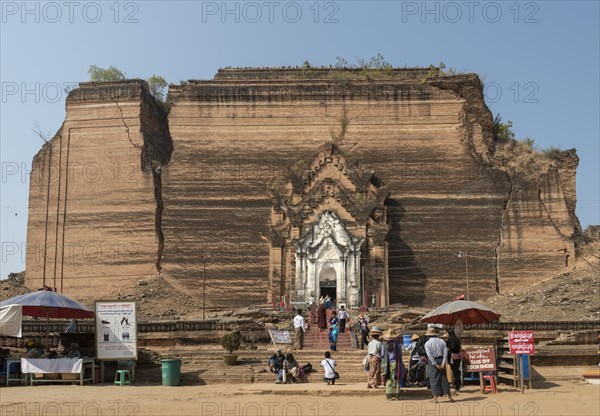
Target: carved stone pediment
point(328, 230)
point(329, 176)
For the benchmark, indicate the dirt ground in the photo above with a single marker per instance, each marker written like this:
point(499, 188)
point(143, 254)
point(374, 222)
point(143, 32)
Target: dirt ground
point(562, 398)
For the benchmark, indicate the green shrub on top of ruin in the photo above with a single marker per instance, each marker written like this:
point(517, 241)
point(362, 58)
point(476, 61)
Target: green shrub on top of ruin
point(503, 132)
point(370, 69)
point(521, 155)
point(156, 83)
point(552, 152)
point(112, 73)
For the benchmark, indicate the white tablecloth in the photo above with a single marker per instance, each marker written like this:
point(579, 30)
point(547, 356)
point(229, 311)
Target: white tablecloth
point(45, 365)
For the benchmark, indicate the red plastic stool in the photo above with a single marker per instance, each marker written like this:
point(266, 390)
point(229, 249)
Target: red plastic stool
point(492, 386)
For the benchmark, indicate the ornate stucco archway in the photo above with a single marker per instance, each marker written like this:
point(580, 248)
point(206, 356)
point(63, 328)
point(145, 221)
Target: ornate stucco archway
point(327, 251)
point(328, 214)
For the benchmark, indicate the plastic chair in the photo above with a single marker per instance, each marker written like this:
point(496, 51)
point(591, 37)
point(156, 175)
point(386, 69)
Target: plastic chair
point(122, 378)
point(14, 368)
point(492, 386)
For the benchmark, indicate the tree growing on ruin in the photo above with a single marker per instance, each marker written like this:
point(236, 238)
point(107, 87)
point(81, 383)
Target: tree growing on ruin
point(112, 73)
point(156, 83)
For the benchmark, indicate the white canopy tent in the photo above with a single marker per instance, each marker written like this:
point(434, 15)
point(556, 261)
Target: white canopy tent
point(11, 318)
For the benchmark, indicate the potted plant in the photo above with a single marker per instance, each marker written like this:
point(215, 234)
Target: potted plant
point(230, 343)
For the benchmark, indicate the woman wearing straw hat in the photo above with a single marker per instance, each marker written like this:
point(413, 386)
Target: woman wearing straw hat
point(416, 373)
point(437, 359)
point(391, 364)
point(374, 350)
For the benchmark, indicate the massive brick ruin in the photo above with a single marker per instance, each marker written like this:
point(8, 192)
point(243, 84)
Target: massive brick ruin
point(263, 182)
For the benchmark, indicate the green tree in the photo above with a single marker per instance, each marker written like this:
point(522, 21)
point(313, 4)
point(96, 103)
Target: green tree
point(111, 73)
point(503, 131)
point(158, 86)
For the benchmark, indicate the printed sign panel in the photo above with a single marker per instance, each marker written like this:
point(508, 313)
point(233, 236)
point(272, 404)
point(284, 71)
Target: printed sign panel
point(520, 337)
point(522, 349)
point(280, 336)
point(521, 342)
point(480, 359)
point(116, 331)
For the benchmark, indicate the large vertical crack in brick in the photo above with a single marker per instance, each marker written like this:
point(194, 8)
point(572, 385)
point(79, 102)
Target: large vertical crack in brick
point(157, 179)
point(155, 156)
point(498, 246)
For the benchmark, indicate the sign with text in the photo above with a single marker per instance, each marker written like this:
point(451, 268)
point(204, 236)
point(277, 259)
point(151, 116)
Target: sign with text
point(279, 336)
point(521, 342)
point(480, 359)
point(116, 330)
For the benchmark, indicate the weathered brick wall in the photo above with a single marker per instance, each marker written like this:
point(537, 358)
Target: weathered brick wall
point(429, 141)
point(233, 134)
point(107, 237)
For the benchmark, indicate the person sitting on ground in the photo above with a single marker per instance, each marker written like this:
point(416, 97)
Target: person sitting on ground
point(276, 362)
point(290, 368)
point(74, 351)
point(328, 365)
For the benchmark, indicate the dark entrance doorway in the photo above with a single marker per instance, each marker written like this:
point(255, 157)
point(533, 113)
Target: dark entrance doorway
point(328, 290)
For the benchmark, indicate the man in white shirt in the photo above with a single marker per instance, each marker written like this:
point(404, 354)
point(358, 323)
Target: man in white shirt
point(328, 365)
point(437, 359)
point(299, 330)
point(343, 317)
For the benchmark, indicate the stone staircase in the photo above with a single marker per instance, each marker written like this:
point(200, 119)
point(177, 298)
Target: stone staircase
point(204, 365)
point(314, 338)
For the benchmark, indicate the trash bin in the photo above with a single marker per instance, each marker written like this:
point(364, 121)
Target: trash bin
point(171, 370)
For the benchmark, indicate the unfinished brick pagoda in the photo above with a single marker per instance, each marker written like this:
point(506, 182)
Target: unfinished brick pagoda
point(370, 187)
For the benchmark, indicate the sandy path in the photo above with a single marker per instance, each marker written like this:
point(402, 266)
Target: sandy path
point(565, 398)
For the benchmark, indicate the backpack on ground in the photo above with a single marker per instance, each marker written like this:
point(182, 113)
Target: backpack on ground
point(307, 368)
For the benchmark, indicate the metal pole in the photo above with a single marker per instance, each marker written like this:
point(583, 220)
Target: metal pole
point(362, 287)
point(521, 373)
point(467, 271)
point(204, 288)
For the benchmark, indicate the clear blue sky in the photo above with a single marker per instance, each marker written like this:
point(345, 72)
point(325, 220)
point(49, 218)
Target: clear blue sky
point(540, 60)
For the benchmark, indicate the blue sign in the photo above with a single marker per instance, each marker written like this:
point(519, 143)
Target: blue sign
point(406, 340)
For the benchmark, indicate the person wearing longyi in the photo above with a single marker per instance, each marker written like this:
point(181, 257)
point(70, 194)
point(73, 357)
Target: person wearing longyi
point(374, 351)
point(437, 359)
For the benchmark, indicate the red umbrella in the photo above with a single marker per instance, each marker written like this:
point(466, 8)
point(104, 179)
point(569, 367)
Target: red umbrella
point(469, 313)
